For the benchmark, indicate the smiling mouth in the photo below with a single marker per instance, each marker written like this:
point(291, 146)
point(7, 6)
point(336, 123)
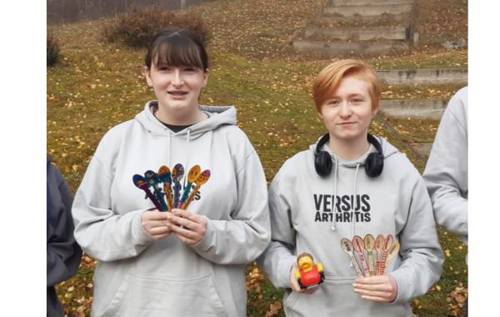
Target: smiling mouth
point(177, 93)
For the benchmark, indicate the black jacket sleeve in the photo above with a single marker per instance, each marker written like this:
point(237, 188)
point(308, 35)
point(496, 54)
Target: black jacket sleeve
point(63, 253)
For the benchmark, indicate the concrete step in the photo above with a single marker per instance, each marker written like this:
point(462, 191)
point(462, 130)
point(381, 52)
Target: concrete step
point(424, 76)
point(384, 19)
point(366, 2)
point(357, 34)
point(368, 10)
point(418, 109)
point(348, 48)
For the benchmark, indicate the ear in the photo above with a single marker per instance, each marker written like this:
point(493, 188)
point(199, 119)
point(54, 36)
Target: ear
point(205, 78)
point(320, 114)
point(146, 73)
point(375, 111)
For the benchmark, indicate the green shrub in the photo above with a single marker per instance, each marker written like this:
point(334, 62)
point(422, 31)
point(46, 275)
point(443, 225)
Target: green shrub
point(138, 27)
point(52, 50)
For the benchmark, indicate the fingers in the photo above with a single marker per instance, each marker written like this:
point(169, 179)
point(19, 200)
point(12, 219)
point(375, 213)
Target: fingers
point(387, 287)
point(184, 222)
point(377, 279)
point(182, 213)
point(185, 232)
point(190, 228)
point(376, 299)
point(310, 290)
point(187, 241)
point(155, 224)
point(160, 230)
point(294, 284)
point(381, 294)
point(161, 236)
point(154, 215)
point(375, 288)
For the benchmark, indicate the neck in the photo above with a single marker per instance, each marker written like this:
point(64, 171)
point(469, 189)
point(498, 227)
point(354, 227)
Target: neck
point(179, 116)
point(349, 149)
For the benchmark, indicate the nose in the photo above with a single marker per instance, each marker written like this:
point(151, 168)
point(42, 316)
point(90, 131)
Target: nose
point(345, 109)
point(177, 79)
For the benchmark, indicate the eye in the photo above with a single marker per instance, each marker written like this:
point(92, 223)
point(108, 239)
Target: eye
point(190, 69)
point(164, 68)
point(357, 100)
point(333, 102)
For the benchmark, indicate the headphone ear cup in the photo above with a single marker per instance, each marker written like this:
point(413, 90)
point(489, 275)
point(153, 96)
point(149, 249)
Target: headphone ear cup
point(323, 163)
point(374, 164)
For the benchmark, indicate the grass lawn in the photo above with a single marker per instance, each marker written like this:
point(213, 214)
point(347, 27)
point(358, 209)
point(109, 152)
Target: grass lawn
point(98, 85)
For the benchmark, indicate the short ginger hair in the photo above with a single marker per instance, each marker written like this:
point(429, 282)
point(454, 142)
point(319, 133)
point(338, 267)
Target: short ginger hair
point(328, 80)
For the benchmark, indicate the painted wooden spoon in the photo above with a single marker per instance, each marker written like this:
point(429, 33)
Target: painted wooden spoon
point(385, 251)
point(393, 251)
point(359, 250)
point(154, 181)
point(370, 254)
point(139, 182)
point(166, 177)
point(379, 246)
point(200, 180)
point(193, 174)
point(177, 174)
point(346, 245)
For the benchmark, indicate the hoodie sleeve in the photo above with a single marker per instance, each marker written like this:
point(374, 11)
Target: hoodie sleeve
point(446, 170)
point(278, 259)
point(103, 233)
point(63, 253)
point(422, 257)
point(244, 237)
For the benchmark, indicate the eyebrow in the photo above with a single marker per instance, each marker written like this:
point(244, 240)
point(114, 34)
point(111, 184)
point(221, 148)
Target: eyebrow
point(348, 96)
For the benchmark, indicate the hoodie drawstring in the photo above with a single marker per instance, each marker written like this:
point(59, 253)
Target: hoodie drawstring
point(169, 149)
point(355, 190)
point(187, 162)
point(335, 191)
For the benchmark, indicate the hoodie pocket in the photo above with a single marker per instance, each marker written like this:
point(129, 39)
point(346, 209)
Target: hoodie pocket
point(148, 296)
point(336, 297)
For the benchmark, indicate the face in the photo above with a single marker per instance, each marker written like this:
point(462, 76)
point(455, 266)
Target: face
point(348, 113)
point(177, 88)
point(305, 262)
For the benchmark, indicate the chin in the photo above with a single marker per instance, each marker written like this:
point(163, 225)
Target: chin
point(347, 136)
point(179, 105)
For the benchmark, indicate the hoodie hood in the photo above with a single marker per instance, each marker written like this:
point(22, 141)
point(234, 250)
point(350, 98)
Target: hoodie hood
point(217, 116)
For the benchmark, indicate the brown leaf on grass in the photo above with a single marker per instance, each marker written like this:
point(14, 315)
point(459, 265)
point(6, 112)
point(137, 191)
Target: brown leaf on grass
point(274, 309)
point(254, 279)
point(456, 300)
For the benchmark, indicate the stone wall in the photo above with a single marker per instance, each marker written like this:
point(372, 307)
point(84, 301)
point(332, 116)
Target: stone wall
point(59, 11)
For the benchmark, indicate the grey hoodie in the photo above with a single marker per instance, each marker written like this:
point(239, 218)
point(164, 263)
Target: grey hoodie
point(312, 214)
point(446, 170)
point(136, 276)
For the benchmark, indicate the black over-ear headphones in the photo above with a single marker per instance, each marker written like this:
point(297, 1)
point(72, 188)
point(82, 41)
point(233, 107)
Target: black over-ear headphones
point(374, 163)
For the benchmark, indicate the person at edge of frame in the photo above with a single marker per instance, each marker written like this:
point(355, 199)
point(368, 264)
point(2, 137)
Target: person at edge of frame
point(63, 253)
point(179, 262)
point(446, 171)
point(351, 186)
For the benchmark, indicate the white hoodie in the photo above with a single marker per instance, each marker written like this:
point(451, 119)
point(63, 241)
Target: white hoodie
point(446, 170)
point(312, 214)
point(137, 276)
